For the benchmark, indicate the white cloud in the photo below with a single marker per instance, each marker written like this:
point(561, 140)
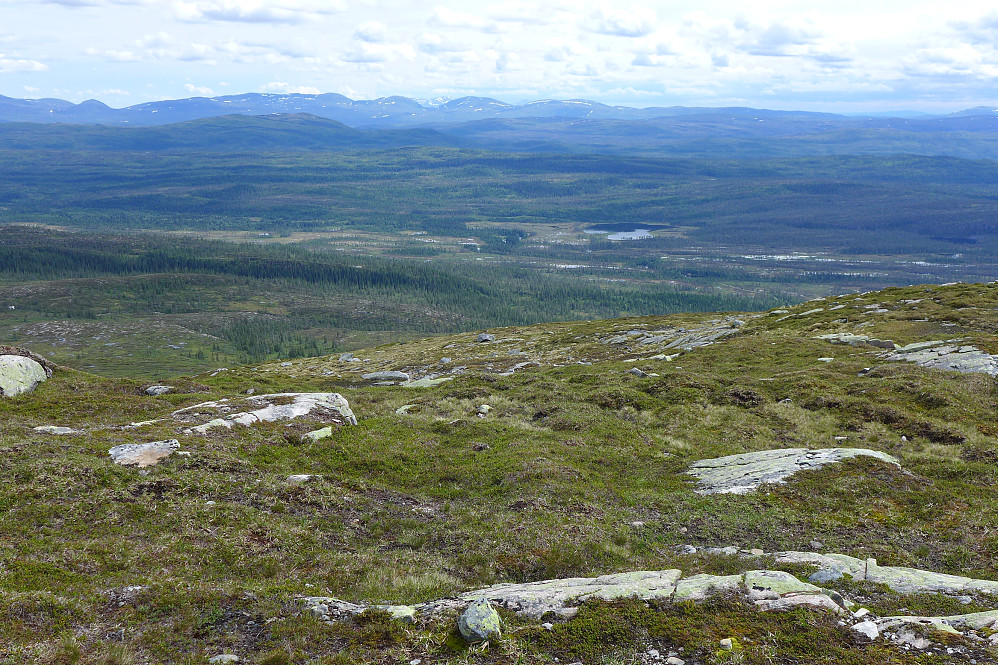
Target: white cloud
point(113, 56)
point(287, 88)
point(198, 90)
point(158, 40)
point(433, 43)
point(778, 38)
point(373, 53)
point(636, 21)
point(31, 89)
point(983, 30)
point(253, 11)
point(19, 65)
point(370, 31)
point(450, 18)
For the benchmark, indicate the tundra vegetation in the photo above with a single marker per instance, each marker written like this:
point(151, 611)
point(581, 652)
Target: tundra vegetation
point(578, 468)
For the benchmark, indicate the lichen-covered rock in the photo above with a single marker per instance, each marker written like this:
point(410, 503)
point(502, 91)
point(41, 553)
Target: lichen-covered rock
point(739, 474)
point(480, 622)
point(385, 376)
point(268, 408)
point(534, 599)
point(19, 374)
point(773, 584)
point(857, 340)
point(954, 357)
point(698, 587)
point(913, 580)
point(143, 454)
point(319, 434)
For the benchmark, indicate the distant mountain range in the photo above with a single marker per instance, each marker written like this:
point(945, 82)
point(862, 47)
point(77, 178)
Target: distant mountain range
point(383, 112)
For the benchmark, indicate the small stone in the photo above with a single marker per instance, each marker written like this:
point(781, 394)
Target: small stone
point(486, 337)
point(861, 612)
point(480, 622)
point(675, 660)
point(815, 544)
point(637, 524)
point(224, 658)
point(319, 434)
point(416, 661)
point(727, 644)
point(911, 639)
point(547, 626)
point(300, 478)
point(867, 629)
point(687, 549)
point(156, 391)
point(483, 409)
point(346, 357)
point(636, 372)
point(653, 654)
point(756, 552)
point(825, 360)
point(683, 530)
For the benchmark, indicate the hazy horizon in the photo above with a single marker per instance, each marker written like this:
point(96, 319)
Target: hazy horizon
point(842, 57)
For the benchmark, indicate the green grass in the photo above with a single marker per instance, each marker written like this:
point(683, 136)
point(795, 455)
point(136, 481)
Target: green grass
point(414, 507)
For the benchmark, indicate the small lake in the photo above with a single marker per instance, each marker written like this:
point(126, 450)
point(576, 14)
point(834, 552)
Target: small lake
point(626, 231)
point(636, 234)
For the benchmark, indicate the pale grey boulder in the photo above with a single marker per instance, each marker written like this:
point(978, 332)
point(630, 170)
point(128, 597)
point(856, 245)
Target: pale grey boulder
point(156, 391)
point(143, 454)
point(20, 374)
point(385, 376)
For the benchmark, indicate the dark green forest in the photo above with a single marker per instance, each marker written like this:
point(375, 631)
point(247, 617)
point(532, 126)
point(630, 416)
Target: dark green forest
point(269, 301)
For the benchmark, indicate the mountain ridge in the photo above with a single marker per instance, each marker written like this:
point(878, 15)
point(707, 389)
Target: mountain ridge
point(383, 111)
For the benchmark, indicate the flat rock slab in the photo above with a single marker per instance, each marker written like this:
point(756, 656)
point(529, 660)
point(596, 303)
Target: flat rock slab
point(54, 429)
point(19, 374)
point(953, 357)
point(267, 408)
point(143, 454)
point(534, 599)
point(739, 474)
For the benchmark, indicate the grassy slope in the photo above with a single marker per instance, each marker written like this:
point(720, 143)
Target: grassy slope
point(412, 507)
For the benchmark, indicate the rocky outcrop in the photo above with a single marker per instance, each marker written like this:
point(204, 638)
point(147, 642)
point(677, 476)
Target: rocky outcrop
point(739, 474)
point(329, 407)
point(950, 355)
point(767, 590)
point(143, 454)
point(857, 340)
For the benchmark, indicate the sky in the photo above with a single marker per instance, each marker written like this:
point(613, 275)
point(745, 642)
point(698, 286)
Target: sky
point(840, 56)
